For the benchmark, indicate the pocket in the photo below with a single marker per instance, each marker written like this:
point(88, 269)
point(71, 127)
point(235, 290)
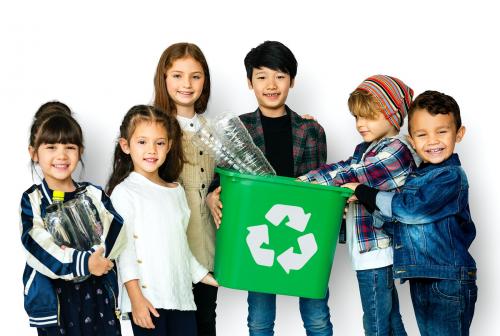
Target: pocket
point(447, 289)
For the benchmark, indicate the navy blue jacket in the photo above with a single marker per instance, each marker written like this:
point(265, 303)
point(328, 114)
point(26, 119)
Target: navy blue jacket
point(45, 260)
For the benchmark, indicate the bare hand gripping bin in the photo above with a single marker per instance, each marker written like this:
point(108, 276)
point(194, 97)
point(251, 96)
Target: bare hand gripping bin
point(277, 235)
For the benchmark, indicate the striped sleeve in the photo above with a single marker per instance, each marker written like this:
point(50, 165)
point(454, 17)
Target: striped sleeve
point(42, 253)
point(111, 221)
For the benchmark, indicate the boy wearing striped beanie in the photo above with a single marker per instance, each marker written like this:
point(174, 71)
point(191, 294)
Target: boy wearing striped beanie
point(383, 160)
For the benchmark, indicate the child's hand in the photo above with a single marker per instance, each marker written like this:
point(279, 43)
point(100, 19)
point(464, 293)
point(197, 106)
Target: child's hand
point(351, 185)
point(209, 280)
point(98, 265)
point(141, 312)
point(308, 117)
point(215, 205)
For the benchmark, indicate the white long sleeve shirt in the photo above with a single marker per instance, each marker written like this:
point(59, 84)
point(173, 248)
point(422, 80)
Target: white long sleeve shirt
point(157, 252)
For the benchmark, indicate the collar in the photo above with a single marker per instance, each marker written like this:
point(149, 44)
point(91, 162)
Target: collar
point(47, 192)
point(453, 160)
point(189, 124)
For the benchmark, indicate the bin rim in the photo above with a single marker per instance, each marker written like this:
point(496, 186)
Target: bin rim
point(345, 192)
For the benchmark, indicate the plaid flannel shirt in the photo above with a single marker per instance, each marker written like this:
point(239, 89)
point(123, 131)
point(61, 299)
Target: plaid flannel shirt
point(383, 165)
point(308, 139)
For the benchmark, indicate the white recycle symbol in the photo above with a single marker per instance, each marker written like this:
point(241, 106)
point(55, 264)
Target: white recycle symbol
point(289, 260)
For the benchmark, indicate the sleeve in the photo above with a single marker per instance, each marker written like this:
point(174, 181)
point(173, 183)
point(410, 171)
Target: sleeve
point(428, 203)
point(197, 270)
point(112, 223)
point(386, 170)
point(127, 260)
point(322, 147)
point(215, 183)
point(42, 253)
point(322, 175)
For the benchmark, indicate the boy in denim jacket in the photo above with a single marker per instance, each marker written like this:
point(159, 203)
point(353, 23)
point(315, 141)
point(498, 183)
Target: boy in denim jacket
point(382, 160)
point(433, 228)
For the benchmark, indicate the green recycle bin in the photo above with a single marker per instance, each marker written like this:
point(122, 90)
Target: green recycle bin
point(277, 235)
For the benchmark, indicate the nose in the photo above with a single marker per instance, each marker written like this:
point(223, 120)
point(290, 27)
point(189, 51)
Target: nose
point(152, 148)
point(187, 82)
point(360, 121)
point(271, 83)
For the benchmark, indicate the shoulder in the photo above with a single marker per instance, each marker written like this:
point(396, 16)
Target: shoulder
point(32, 194)
point(308, 125)
point(248, 118)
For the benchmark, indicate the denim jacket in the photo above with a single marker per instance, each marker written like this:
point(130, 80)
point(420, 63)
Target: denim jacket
point(433, 226)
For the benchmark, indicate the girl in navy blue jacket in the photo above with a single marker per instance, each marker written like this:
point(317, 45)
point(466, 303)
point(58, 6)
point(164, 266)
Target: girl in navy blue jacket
point(57, 305)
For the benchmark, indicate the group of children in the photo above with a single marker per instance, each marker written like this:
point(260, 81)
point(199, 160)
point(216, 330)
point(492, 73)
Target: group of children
point(409, 218)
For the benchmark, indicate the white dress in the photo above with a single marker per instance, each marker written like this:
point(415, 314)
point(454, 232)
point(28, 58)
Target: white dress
point(157, 252)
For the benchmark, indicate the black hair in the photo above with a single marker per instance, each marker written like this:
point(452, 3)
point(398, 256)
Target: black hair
point(273, 55)
point(436, 103)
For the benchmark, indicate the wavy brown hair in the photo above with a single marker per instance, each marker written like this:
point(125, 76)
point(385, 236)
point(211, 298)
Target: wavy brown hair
point(122, 164)
point(170, 55)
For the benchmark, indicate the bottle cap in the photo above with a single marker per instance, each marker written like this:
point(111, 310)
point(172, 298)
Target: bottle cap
point(58, 195)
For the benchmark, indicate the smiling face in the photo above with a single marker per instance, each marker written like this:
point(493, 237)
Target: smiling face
point(57, 161)
point(148, 148)
point(434, 136)
point(184, 80)
point(271, 90)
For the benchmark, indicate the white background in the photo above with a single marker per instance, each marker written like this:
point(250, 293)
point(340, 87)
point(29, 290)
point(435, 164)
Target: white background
point(99, 57)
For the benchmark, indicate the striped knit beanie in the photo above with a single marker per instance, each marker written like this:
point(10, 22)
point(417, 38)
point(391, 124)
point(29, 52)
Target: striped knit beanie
point(393, 95)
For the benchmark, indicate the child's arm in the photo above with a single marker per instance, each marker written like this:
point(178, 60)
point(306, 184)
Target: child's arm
point(385, 171)
point(141, 307)
point(322, 175)
point(112, 222)
point(429, 203)
point(215, 205)
point(42, 253)
point(127, 260)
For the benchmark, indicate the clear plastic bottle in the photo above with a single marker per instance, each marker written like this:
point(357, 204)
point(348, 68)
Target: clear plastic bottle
point(90, 215)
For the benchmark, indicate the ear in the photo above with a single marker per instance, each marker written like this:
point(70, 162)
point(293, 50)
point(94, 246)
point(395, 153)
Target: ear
point(292, 82)
point(33, 154)
point(169, 145)
point(249, 82)
point(410, 140)
point(124, 145)
point(460, 134)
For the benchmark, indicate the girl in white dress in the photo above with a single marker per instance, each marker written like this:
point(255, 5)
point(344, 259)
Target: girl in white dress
point(157, 267)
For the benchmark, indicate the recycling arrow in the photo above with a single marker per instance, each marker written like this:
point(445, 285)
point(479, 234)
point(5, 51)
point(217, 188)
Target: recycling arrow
point(257, 236)
point(297, 219)
point(295, 261)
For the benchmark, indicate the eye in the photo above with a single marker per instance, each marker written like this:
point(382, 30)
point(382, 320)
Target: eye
point(197, 77)
point(281, 76)
point(443, 132)
point(176, 76)
point(261, 77)
point(50, 146)
point(161, 143)
point(141, 142)
point(71, 147)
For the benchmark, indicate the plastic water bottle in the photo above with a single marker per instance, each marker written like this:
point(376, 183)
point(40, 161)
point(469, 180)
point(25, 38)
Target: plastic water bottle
point(88, 211)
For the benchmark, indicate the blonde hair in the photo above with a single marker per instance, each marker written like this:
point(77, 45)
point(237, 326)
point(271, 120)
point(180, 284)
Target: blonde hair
point(362, 104)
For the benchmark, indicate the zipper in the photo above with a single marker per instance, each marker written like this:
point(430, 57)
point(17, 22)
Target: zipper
point(58, 311)
point(110, 288)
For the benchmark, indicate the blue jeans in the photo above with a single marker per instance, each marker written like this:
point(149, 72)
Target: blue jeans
point(379, 299)
point(443, 307)
point(262, 313)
